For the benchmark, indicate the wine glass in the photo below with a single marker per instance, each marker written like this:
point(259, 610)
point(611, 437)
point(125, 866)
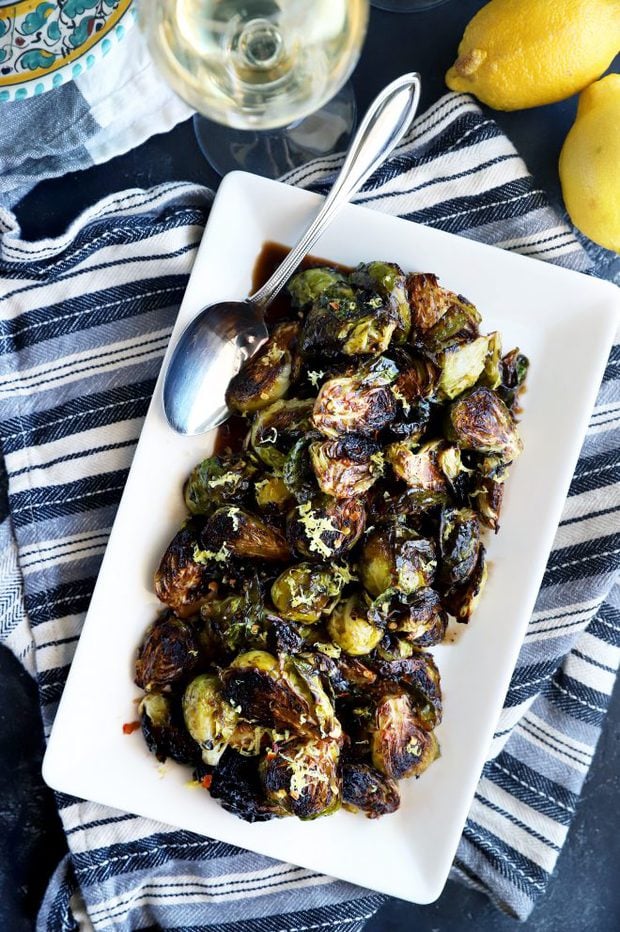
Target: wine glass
point(267, 77)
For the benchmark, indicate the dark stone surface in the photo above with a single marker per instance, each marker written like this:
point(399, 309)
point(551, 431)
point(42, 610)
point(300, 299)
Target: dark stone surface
point(584, 894)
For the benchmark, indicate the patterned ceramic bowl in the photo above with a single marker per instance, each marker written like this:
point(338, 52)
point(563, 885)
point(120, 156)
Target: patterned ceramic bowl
point(44, 44)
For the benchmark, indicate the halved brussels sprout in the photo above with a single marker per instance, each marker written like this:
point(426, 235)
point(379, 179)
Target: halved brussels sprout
point(273, 495)
point(353, 404)
point(385, 505)
point(276, 695)
point(400, 746)
point(418, 615)
point(459, 324)
point(297, 473)
point(217, 481)
point(395, 556)
point(481, 421)
point(428, 469)
point(492, 374)
point(308, 286)
point(181, 582)
point(347, 466)
point(514, 368)
point(350, 628)
point(168, 653)
point(461, 366)
point(209, 718)
point(302, 777)
point(326, 528)
point(305, 592)
point(429, 302)
point(388, 280)
point(350, 322)
point(367, 790)
point(236, 783)
point(486, 495)
point(268, 375)
point(236, 622)
point(395, 647)
point(419, 677)
point(459, 545)
point(462, 599)
point(417, 379)
point(164, 731)
point(234, 532)
point(277, 428)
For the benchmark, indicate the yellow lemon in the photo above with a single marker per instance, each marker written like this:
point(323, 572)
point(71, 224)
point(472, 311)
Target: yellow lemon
point(590, 163)
point(524, 53)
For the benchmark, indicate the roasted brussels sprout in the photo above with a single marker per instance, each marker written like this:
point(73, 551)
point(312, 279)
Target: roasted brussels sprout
point(417, 381)
point(216, 481)
point(348, 321)
point(236, 783)
point(514, 367)
point(418, 616)
point(347, 466)
point(486, 495)
point(304, 592)
point(234, 532)
point(492, 373)
point(275, 429)
point(267, 376)
point(395, 556)
point(238, 621)
point(168, 653)
point(400, 746)
point(461, 366)
point(430, 468)
point(302, 777)
point(181, 582)
point(326, 528)
point(419, 677)
point(462, 598)
point(350, 404)
point(209, 718)
point(368, 790)
point(459, 545)
point(350, 628)
point(309, 286)
point(481, 421)
point(297, 473)
point(164, 731)
point(273, 495)
point(429, 302)
point(388, 280)
point(458, 325)
point(278, 696)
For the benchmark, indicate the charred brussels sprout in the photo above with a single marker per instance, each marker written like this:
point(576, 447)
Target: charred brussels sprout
point(492, 373)
point(273, 495)
point(164, 731)
point(302, 777)
point(418, 616)
point(347, 466)
point(368, 790)
point(297, 473)
point(395, 556)
point(209, 718)
point(305, 592)
point(462, 598)
point(326, 528)
point(236, 783)
point(461, 366)
point(216, 482)
point(268, 375)
point(181, 582)
point(486, 495)
point(514, 367)
point(350, 322)
point(277, 428)
point(388, 280)
point(350, 628)
point(168, 653)
point(236, 622)
point(400, 746)
point(481, 421)
point(309, 286)
point(459, 324)
point(429, 303)
point(234, 532)
point(459, 545)
point(429, 468)
point(360, 403)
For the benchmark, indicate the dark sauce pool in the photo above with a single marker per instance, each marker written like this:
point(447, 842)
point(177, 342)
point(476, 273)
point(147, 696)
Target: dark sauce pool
point(231, 434)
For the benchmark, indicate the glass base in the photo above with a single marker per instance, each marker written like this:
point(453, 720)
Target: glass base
point(273, 153)
point(406, 6)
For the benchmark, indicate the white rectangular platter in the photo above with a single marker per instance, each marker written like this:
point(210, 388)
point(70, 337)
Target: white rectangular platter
point(565, 323)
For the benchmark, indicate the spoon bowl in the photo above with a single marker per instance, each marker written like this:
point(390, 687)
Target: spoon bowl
point(222, 337)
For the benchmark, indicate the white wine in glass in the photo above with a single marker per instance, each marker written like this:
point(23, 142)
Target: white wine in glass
point(256, 65)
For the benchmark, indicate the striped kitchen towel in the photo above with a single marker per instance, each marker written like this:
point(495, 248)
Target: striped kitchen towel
point(110, 108)
point(85, 320)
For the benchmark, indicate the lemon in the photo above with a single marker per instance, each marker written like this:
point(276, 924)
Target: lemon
point(590, 164)
point(524, 53)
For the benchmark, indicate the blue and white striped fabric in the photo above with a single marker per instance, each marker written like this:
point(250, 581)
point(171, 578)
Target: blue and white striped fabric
point(83, 327)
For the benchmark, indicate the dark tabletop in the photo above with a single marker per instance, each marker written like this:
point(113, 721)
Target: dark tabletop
point(584, 893)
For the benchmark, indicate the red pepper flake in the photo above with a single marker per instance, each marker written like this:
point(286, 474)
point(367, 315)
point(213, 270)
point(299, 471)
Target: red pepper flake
point(206, 781)
point(130, 727)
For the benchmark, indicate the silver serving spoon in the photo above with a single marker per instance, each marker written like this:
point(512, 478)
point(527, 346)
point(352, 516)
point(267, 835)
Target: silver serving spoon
point(214, 346)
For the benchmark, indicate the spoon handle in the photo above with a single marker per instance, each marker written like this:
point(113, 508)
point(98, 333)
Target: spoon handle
point(386, 121)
